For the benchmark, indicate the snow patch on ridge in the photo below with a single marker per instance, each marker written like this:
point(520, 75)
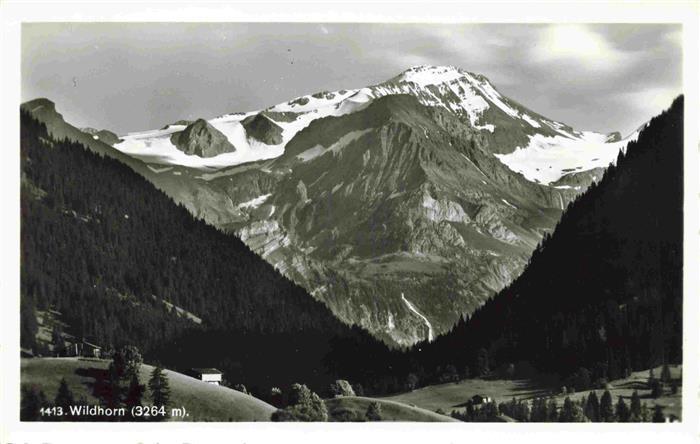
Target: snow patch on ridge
point(254, 203)
point(474, 165)
point(335, 148)
point(309, 103)
point(509, 204)
point(530, 120)
point(159, 170)
point(547, 159)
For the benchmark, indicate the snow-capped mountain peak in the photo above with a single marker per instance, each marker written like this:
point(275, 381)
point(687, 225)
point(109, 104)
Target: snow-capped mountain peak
point(532, 147)
point(425, 75)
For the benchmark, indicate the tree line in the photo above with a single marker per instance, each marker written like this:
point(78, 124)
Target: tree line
point(586, 409)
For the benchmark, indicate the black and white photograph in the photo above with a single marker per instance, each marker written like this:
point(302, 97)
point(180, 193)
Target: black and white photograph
point(241, 221)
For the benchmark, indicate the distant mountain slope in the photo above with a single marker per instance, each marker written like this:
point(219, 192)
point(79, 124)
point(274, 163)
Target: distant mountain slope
point(202, 401)
point(431, 185)
point(605, 291)
point(113, 255)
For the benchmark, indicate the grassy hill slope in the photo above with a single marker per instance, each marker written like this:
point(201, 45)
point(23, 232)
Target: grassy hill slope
point(391, 410)
point(202, 401)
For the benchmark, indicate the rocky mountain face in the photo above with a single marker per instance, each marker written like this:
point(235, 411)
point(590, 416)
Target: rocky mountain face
point(262, 128)
point(201, 139)
point(402, 205)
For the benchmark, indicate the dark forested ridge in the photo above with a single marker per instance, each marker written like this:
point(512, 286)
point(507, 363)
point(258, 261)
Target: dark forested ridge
point(604, 292)
point(103, 247)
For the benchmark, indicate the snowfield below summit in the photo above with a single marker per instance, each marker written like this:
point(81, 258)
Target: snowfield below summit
point(547, 159)
point(453, 89)
point(155, 146)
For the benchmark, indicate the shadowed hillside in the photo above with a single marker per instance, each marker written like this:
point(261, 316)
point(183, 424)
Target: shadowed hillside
point(602, 296)
point(108, 251)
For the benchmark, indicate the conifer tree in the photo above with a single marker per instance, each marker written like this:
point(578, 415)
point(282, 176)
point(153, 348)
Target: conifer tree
point(482, 363)
point(134, 394)
point(470, 411)
point(159, 387)
point(658, 414)
point(523, 411)
point(488, 412)
point(57, 341)
point(567, 411)
point(552, 411)
point(112, 395)
point(674, 386)
point(592, 409)
point(635, 408)
point(374, 412)
point(606, 408)
point(304, 405)
point(665, 373)
point(538, 413)
point(31, 401)
point(64, 397)
point(622, 412)
point(645, 415)
point(28, 324)
point(657, 388)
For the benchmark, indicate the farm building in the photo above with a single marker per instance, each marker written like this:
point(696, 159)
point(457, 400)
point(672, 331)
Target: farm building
point(84, 349)
point(480, 399)
point(208, 375)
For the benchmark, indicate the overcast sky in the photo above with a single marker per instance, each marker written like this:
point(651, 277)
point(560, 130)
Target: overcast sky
point(131, 77)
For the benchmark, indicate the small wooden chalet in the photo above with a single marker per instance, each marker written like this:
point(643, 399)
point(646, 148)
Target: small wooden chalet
point(208, 375)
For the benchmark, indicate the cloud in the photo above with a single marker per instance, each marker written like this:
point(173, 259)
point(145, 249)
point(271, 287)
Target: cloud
point(601, 77)
point(650, 100)
point(577, 44)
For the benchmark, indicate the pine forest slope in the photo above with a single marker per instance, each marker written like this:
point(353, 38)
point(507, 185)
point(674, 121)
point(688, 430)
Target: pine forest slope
point(604, 292)
point(104, 248)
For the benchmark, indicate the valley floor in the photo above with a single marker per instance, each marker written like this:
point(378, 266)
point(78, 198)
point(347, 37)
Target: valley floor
point(205, 402)
point(453, 396)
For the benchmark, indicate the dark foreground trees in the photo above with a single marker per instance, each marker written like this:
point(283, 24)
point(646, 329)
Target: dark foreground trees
point(303, 405)
point(159, 386)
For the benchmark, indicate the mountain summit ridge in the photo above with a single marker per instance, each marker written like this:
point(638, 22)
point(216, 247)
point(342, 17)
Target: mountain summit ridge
point(432, 185)
point(470, 95)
